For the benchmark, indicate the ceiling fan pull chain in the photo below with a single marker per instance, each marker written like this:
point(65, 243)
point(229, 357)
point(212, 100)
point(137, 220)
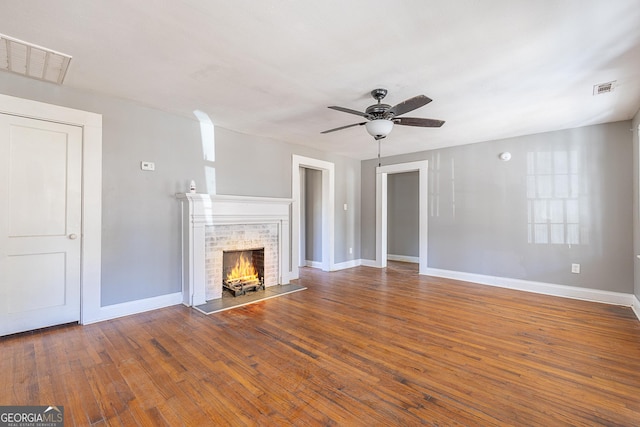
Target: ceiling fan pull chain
point(379, 164)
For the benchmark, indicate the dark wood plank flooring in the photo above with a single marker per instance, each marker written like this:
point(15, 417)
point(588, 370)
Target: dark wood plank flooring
point(359, 347)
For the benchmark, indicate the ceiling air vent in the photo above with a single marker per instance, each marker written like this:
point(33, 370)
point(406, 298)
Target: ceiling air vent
point(17, 56)
point(603, 88)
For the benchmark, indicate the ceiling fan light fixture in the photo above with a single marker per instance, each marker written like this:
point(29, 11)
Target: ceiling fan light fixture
point(379, 128)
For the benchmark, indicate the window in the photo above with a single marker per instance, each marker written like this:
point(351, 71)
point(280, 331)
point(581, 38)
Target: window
point(552, 198)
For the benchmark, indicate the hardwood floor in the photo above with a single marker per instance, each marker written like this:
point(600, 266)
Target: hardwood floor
point(359, 347)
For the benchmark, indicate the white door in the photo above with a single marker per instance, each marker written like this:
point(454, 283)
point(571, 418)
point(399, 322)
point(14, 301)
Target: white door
point(40, 223)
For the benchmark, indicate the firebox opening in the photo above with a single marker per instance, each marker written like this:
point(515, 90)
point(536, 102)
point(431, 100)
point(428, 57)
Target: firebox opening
point(243, 271)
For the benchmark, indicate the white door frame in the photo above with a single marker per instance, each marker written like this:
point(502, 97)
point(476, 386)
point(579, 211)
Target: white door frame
point(328, 211)
point(381, 210)
point(91, 123)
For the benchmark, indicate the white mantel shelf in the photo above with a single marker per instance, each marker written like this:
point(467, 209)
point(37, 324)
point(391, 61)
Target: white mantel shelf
point(202, 210)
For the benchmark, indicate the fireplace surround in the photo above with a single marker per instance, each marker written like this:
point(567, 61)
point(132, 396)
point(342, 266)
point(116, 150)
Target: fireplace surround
point(212, 224)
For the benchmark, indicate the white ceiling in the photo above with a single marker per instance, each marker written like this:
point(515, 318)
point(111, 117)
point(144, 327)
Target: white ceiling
point(494, 68)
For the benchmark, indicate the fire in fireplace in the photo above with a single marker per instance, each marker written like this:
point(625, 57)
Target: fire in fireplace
point(243, 271)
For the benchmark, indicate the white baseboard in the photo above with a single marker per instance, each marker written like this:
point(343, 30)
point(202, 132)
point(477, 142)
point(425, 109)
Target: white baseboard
point(369, 263)
point(335, 267)
point(596, 295)
point(133, 307)
point(313, 264)
point(635, 306)
point(403, 258)
point(346, 264)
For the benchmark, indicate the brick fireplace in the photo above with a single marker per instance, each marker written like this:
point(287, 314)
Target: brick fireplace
point(212, 225)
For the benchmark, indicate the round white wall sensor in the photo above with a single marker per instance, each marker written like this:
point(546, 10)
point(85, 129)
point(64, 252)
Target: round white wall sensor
point(505, 157)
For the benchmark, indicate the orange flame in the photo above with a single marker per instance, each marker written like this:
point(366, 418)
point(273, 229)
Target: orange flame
point(243, 270)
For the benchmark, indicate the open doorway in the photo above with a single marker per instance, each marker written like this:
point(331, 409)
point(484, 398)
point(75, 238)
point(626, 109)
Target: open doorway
point(382, 173)
point(300, 168)
point(403, 217)
point(311, 218)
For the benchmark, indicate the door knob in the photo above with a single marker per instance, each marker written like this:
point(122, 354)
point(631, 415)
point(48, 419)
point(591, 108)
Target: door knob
point(73, 236)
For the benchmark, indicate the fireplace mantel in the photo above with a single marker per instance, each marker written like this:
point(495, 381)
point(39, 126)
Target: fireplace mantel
point(203, 210)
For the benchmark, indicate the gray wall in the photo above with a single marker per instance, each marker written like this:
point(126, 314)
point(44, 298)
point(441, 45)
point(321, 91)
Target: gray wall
point(403, 214)
point(313, 214)
point(140, 215)
point(511, 219)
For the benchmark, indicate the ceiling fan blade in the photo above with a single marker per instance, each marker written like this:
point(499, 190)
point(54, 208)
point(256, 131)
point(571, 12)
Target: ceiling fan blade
point(349, 110)
point(415, 121)
point(408, 105)
point(343, 127)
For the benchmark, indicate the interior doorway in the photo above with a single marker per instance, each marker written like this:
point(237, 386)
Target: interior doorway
point(403, 214)
point(88, 238)
point(327, 177)
point(40, 196)
point(311, 218)
point(382, 173)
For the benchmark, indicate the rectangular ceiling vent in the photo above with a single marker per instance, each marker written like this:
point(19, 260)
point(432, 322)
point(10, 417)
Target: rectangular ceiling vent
point(604, 88)
point(17, 56)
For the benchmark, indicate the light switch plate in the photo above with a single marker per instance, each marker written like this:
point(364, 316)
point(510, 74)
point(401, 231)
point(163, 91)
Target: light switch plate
point(147, 166)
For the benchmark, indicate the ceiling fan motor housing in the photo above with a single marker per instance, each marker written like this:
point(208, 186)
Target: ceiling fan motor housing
point(377, 110)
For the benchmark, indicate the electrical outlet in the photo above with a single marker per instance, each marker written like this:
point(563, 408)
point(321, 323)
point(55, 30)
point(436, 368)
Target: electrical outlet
point(345, 206)
point(147, 166)
point(575, 268)
point(350, 251)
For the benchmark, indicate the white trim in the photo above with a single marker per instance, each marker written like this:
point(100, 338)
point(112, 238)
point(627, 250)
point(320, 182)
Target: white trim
point(91, 124)
point(313, 264)
point(635, 306)
point(596, 295)
point(328, 211)
point(249, 199)
point(347, 264)
point(138, 306)
point(369, 263)
point(41, 110)
point(381, 210)
point(636, 303)
point(403, 258)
